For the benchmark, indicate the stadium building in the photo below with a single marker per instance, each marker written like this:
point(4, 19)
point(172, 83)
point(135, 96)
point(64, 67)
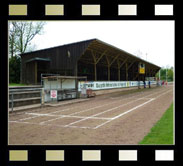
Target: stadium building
point(95, 59)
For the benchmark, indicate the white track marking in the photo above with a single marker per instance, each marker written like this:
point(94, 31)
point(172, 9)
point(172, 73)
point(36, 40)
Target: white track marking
point(30, 123)
point(103, 112)
point(111, 109)
point(84, 127)
point(81, 117)
point(85, 118)
point(134, 108)
point(107, 104)
point(29, 117)
point(60, 117)
point(61, 110)
point(57, 111)
point(90, 117)
point(31, 113)
point(97, 106)
point(86, 109)
point(66, 116)
point(148, 98)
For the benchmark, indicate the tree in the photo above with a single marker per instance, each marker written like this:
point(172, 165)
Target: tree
point(21, 34)
point(163, 71)
point(170, 74)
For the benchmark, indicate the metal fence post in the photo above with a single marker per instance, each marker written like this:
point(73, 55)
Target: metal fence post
point(41, 96)
point(12, 102)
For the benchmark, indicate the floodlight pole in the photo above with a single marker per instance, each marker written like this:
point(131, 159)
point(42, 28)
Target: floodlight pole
point(166, 74)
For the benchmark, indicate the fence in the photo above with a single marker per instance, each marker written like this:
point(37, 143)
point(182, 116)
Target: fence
point(21, 96)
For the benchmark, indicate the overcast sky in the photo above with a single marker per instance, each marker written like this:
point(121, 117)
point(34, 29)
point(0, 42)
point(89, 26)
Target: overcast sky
point(153, 40)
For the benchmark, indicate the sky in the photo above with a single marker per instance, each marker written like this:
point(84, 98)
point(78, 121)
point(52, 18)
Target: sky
point(150, 40)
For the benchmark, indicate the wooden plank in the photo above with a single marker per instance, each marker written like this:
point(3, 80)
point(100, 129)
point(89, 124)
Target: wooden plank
point(131, 64)
point(123, 62)
point(114, 60)
point(94, 57)
point(101, 56)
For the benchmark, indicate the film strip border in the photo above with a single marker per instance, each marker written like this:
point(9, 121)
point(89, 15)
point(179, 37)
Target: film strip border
point(88, 155)
point(95, 10)
point(61, 10)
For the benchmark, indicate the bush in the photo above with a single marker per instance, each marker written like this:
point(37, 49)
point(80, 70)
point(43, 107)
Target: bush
point(14, 69)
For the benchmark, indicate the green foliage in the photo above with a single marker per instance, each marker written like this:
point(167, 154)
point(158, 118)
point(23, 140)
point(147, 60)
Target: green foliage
point(163, 72)
point(162, 132)
point(170, 74)
point(21, 34)
point(14, 69)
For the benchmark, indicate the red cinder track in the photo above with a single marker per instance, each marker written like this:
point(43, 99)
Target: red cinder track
point(116, 119)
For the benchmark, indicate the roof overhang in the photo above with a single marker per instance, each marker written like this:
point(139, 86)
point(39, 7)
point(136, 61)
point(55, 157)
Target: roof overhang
point(38, 59)
point(112, 51)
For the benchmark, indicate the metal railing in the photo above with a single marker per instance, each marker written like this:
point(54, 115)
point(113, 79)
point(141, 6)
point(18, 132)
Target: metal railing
point(22, 90)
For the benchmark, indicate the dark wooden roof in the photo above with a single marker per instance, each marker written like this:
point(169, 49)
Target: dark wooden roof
point(77, 49)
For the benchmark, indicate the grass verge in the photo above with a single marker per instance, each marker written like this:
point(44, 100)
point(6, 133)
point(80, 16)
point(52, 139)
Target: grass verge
point(162, 132)
point(15, 84)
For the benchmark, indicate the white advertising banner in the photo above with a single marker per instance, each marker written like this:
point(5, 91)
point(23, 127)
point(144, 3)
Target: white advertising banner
point(98, 85)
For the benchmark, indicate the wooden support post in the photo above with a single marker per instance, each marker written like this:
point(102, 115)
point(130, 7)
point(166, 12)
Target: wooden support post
point(126, 71)
point(109, 73)
point(95, 65)
point(108, 66)
point(76, 87)
point(95, 71)
point(119, 74)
